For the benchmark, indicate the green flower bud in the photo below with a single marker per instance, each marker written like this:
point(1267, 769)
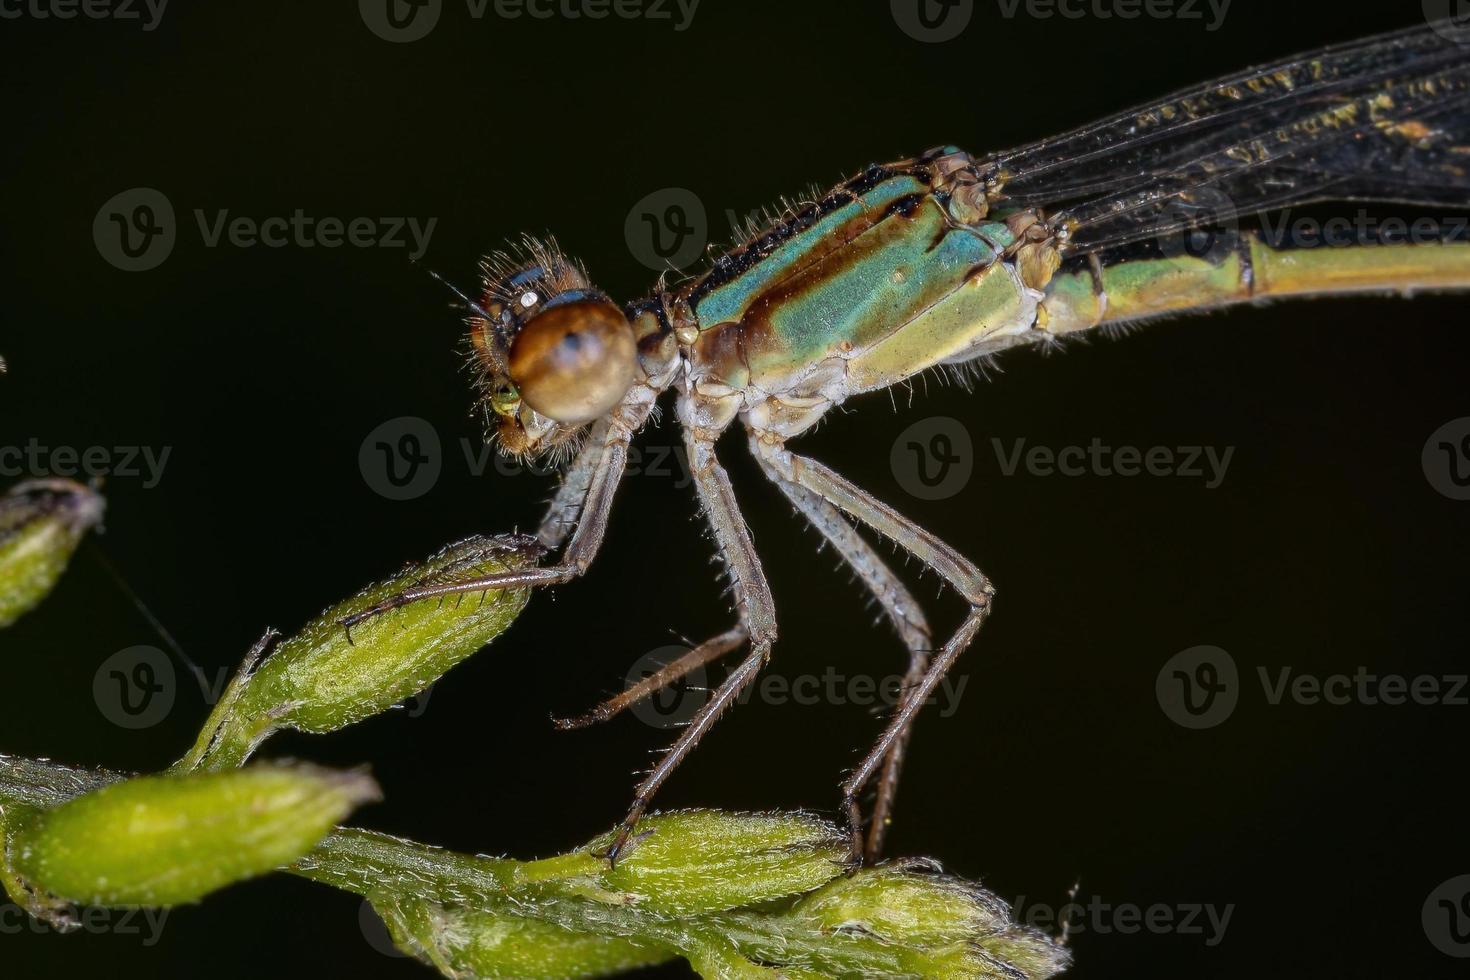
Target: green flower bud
point(325, 678)
point(462, 942)
point(902, 906)
point(41, 524)
point(700, 861)
point(164, 840)
point(945, 927)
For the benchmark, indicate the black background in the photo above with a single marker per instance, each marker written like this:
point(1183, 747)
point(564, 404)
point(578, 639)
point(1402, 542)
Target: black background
point(263, 370)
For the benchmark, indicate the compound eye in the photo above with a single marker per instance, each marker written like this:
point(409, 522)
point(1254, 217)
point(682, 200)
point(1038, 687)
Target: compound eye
point(573, 362)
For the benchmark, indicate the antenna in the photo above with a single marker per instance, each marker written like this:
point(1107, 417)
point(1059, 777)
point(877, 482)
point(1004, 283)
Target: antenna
point(474, 307)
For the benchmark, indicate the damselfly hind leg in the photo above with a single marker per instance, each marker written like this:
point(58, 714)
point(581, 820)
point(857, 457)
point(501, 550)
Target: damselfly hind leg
point(902, 610)
point(753, 603)
point(958, 571)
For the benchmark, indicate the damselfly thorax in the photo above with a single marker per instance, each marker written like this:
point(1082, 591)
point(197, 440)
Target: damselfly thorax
point(942, 261)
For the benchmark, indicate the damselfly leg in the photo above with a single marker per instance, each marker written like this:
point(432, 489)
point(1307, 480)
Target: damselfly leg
point(902, 611)
point(962, 575)
point(753, 603)
point(671, 673)
point(595, 504)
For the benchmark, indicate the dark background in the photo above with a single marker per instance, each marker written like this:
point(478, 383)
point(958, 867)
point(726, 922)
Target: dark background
point(1325, 549)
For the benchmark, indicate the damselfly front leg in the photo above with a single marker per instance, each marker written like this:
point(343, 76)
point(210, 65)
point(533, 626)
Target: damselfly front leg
point(753, 604)
point(558, 362)
point(608, 471)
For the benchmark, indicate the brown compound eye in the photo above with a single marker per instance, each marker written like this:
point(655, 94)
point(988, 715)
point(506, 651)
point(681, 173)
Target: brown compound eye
point(574, 361)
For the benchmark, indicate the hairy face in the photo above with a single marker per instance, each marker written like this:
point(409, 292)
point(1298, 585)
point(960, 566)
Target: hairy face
point(553, 354)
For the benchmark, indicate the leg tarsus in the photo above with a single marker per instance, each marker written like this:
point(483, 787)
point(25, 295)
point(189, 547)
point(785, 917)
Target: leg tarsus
point(711, 649)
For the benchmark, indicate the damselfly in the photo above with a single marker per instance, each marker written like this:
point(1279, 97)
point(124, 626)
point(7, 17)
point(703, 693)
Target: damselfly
point(943, 261)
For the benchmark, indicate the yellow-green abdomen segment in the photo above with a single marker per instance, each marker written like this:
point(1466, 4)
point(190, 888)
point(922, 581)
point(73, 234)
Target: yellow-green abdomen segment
point(1134, 290)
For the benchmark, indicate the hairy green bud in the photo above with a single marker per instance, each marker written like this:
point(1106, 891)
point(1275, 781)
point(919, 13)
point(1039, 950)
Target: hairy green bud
point(41, 524)
point(165, 840)
point(325, 678)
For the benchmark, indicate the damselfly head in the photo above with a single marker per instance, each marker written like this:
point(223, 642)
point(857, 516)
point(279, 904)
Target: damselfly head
point(554, 354)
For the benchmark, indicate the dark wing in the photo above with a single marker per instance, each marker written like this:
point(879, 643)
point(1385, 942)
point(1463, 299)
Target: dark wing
point(1385, 118)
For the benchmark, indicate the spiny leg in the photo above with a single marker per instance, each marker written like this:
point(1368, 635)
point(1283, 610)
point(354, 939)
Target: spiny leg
point(565, 508)
point(955, 568)
point(752, 601)
point(902, 611)
point(607, 473)
point(709, 650)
